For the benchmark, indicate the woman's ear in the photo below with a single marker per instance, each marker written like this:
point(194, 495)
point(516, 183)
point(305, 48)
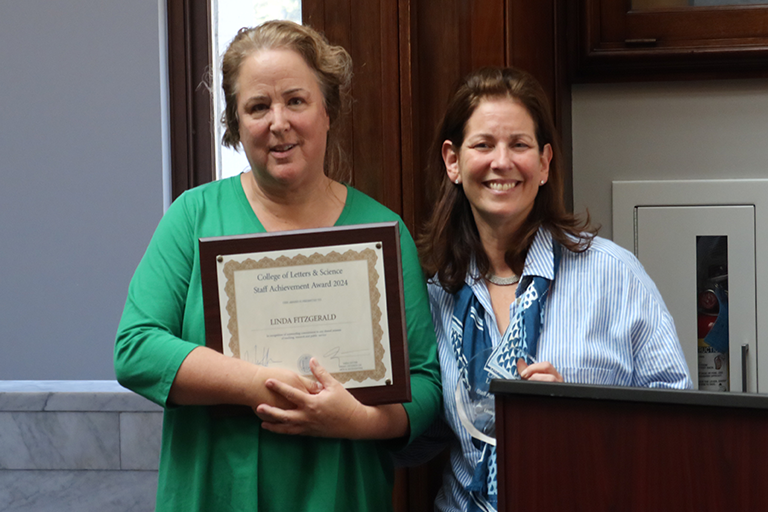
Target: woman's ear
point(545, 160)
point(451, 160)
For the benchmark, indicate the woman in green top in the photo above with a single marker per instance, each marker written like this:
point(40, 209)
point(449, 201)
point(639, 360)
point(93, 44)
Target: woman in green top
point(284, 87)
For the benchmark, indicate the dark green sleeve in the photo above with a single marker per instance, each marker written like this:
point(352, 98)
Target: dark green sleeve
point(148, 347)
point(426, 390)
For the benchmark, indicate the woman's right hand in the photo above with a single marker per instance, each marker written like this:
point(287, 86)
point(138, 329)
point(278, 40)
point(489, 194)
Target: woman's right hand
point(542, 372)
point(332, 411)
point(265, 395)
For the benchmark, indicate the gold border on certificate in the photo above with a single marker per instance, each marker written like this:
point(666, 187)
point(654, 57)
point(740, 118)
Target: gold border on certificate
point(229, 267)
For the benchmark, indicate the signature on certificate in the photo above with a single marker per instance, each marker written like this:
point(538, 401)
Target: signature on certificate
point(263, 359)
point(333, 354)
point(347, 357)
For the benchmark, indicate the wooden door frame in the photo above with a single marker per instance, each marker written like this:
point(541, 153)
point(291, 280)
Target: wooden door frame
point(191, 105)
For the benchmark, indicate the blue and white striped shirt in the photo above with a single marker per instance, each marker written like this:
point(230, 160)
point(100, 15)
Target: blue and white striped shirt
point(605, 323)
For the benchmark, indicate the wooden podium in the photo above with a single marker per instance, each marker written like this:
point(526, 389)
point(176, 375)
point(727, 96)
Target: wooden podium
point(565, 447)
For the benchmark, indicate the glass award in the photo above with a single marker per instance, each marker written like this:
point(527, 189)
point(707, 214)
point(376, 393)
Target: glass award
point(475, 404)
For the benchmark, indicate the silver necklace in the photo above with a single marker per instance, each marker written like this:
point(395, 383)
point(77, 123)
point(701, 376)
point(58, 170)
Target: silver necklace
point(502, 281)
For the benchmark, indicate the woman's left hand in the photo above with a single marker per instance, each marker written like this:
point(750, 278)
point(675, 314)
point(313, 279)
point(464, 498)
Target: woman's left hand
point(330, 412)
point(543, 371)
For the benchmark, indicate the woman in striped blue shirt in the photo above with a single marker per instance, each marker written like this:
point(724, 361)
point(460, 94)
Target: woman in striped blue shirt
point(521, 288)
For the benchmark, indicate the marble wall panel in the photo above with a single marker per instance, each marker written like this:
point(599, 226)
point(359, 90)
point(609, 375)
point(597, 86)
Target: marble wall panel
point(78, 491)
point(140, 437)
point(77, 446)
point(59, 440)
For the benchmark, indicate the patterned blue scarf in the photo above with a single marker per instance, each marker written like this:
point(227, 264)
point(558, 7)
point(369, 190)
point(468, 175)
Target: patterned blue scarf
point(479, 362)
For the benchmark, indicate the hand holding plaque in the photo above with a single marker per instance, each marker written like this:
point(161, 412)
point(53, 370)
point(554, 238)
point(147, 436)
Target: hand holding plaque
point(330, 411)
point(279, 299)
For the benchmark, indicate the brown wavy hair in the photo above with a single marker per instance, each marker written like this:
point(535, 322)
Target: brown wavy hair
point(331, 65)
point(450, 238)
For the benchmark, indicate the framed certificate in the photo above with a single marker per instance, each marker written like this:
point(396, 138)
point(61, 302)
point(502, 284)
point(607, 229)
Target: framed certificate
point(335, 294)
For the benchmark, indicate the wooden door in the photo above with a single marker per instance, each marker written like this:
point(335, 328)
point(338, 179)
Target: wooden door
point(407, 56)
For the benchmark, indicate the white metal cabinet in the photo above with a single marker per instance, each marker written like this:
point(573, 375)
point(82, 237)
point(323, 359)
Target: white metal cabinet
point(660, 220)
point(666, 246)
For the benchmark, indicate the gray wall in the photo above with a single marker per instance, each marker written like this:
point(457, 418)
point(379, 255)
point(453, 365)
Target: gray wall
point(682, 130)
point(81, 177)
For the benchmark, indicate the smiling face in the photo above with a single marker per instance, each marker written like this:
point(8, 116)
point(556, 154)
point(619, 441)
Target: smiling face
point(282, 119)
point(499, 164)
